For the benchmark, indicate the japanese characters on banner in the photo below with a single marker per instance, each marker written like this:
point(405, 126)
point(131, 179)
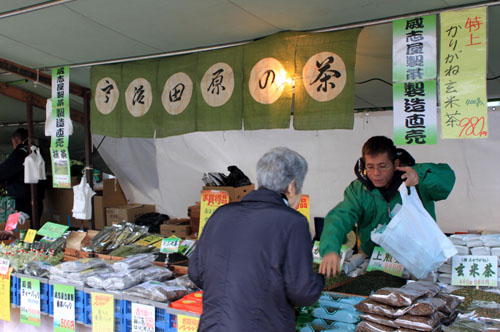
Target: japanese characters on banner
point(474, 271)
point(211, 200)
point(64, 308)
point(414, 77)
point(59, 154)
point(463, 74)
point(30, 301)
point(219, 90)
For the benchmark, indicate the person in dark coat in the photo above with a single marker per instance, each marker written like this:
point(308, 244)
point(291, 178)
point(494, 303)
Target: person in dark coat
point(12, 171)
point(254, 258)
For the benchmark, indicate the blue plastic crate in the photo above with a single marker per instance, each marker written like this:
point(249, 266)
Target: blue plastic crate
point(44, 297)
point(15, 290)
point(119, 310)
point(79, 304)
point(162, 319)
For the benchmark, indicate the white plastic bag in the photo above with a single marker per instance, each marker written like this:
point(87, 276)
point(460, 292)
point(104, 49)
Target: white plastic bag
point(34, 166)
point(82, 200)
point(413, 237)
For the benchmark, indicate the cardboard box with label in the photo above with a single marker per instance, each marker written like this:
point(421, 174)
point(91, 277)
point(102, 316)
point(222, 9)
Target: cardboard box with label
point(235, 193)
point(128, 212)
point(178, 227)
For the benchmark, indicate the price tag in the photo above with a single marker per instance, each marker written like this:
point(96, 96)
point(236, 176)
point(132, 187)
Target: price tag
point(211, 200)
point(143, 318)
point(383, 261)
point(4, 266)
point(12, 221)
point(170, 244)
point(304, 207)
point(52, 230)
point(316, 256)
point(103, 312)
point(187, 323)
point(5, 296)
point(474, 271)
point(64, 308)
point(30, 301)
point(30, 236)
point(149, 240)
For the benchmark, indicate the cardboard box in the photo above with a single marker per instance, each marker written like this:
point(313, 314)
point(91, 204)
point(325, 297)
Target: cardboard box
point(113, 194)
point(128, 212)
point(99, 212)
point(235, 193)
point(178, 227)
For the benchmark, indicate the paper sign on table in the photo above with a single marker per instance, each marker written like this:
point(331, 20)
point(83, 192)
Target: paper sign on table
point(149, 240)
point(52, 230)
point(12, 221)
point(4, 266)
point(103, 312)
point(383, 261)
point(211, 200)
point(5, 296)
point(474, 271)
point(30, 236)
point(143, 318)
point(170, 244)
point(64, 308)
point(30, 301)
point(187, 323)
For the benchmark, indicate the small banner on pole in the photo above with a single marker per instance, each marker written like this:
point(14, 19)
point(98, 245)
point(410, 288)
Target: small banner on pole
point(414, 74)
point(463, 74)
point(59, 155)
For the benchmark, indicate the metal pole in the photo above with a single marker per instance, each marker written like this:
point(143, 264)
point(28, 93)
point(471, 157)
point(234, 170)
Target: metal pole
point(88, 146)
point(33, 187)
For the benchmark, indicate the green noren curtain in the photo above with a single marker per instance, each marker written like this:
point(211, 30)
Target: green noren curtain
point(256, 115)
point(336, 113)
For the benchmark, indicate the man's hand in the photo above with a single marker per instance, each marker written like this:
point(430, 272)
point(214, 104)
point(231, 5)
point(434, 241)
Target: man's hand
point(410, 176)
point(330, 264)
point(4, 235)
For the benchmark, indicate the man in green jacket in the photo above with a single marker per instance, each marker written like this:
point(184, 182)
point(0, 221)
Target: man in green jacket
point(370, 199)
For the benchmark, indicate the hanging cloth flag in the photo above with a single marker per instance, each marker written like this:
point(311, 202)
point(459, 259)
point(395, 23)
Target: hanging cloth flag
point(324, 83)
point(59, 155)
point(414, 74)
point(462, 74)
point(219, 97)
point(267, 84)
point(107, 100)
point(139, 116)
point(176, 79)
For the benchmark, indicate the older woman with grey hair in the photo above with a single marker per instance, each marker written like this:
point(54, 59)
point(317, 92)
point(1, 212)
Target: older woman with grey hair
point(254, 258)
point(282, 170)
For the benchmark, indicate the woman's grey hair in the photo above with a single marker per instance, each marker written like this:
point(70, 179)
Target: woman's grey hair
point(279, 167)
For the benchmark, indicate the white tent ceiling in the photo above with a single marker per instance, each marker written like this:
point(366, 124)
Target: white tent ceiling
point(73, 32)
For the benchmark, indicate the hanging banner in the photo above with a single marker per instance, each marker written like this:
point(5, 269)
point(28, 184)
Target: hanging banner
point(139, 114)
point(414, 74)
point(210, 200)
point(415, 113)
point(324, 82)
point(59, 155)
point(269, 68)
point(30, 301)
point(220, 95)
point(177, 77)
point(64, 308)
point(107, 100)
point(5, 295)
point(463, 74)
point(414, 49)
